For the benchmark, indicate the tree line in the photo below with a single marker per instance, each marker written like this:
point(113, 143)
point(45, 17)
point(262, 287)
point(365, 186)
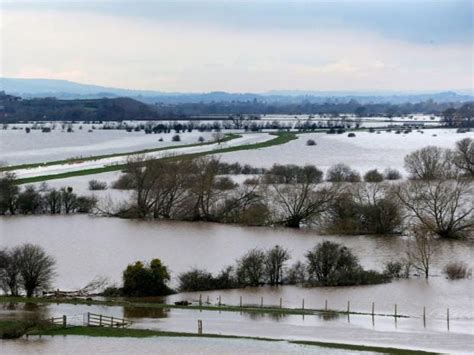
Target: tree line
point(45, 200)
point(437, 195)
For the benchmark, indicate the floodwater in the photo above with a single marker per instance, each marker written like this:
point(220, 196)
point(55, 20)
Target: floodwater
point(18, 147)
point(364, 152)
point(407, 333)
point(166, 345)
point(86, 247)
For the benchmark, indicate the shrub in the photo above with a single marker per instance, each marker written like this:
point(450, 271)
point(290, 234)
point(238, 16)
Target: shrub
point(176, 138)
point(392, 174)
point(310, 142)
point(146, 280)
point(373, 176)
point(196, 280)
point(124, 182)
point(342, 173)
point(456, 270)
point(351, 135)
point(201, 139)
point(296, 274)
point(393, 269)
point(85, 204)
point(97, 185)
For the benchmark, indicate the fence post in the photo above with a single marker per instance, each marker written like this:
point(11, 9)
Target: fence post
point(395, 311)
point(281, 303)
point(52, 320)
point(348, 307)
point(240, 303)
point(424, 317)
point(100, 320)
point(199, 327)
point(302, 304)
point(447, 317)
point(88, 318)
point(112, 321)
point(373, 309)
point(326, 305)
point(219, 300)
point(261, 302)
point(200, 299)
point(64, 321)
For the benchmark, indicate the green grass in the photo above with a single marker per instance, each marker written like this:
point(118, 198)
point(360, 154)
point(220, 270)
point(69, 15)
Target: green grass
point(281, 138)
point(227, 138)
point(145, 333)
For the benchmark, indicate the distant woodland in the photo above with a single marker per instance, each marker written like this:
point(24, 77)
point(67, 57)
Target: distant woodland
point(15, 109)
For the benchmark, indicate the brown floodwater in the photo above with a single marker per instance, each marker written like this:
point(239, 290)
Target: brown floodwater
point(86, 247)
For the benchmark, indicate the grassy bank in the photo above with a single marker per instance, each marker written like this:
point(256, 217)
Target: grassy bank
point(146, 333)
point(280, 138)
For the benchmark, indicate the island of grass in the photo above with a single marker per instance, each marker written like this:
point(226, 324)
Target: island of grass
point(280, 138)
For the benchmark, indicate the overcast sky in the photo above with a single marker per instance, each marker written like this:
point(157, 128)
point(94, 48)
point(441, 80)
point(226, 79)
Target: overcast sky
point(242, 46)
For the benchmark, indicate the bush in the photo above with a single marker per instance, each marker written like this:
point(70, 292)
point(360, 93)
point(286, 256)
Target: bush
point(393, 269)
point(176, 138)
point(342, 173)
point(202, 280)
point(296, 274)
point(85, 204)
point(97, 185)
point(331, 264)
point(373, 176)
point(310, 142)
point(142, 280)
point(196, 280)
point(456, 270)
point(351, 135)
point(392, 174)
point(124, 182)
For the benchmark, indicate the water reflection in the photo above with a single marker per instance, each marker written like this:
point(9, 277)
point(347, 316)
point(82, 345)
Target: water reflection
point(145, 312)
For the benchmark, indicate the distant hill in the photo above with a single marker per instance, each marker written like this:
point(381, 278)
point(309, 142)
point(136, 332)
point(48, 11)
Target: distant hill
point(64, 89)
point(51, 109)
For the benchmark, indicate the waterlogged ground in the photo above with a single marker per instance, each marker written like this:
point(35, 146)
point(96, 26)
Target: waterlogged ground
point(18, 147)
point(166, 345)
point(364, 152)
point(406, 333)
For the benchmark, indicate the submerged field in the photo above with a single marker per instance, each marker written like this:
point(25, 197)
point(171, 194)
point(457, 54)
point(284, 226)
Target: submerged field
point(89, 246)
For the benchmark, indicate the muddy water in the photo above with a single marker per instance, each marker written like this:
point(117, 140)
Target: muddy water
point(86, 247)
point(165, 345)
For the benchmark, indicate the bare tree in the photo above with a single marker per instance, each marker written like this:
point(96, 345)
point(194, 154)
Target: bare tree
point(444, 207)
point(421, 249)
point(463, 157)
point(275, 260)
point(295, 194)
point(251, 268)
point(36, 268)
point(429, 163)
point(9, 271)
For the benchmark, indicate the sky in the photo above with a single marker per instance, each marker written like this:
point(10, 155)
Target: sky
point(242, 46)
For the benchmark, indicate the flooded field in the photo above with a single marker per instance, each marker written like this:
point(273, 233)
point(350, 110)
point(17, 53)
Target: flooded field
point(18, 147)
point(86, 247)
point(166, 345)
point(364, 152)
